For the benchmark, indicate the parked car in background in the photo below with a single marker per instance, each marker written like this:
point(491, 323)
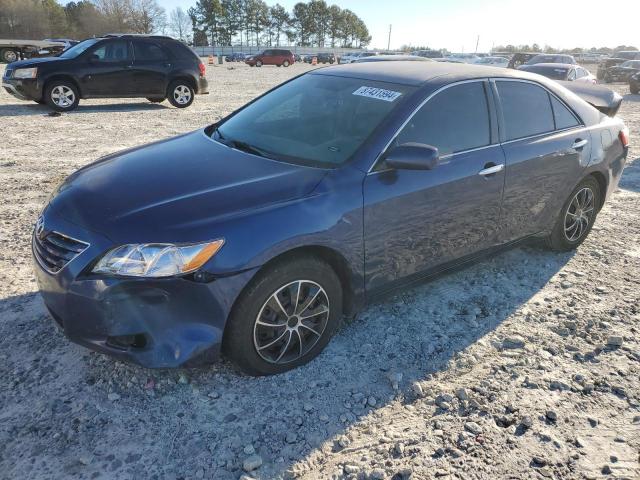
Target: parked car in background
point(271, 56)
point(552, 58)
point(605, 64)
point(520, 58)
point(113, 66)
point(634, 84)
point(560, 71)
point(393, 58)
point(12, 50)
point(297, 58)
point(427, 53)
point(463, 57)
point(322, 58)
point(67, 42)
point(621, 72)
point(627, 54)
point(151, 255)
point(493, 61)
point(351, 58)
point(235, 57)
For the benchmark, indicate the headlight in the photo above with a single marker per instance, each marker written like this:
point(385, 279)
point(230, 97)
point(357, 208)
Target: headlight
point(25, 73)
point(154, 260)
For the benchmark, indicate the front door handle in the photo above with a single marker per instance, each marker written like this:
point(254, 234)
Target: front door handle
point(491, 169)
point(578, 144)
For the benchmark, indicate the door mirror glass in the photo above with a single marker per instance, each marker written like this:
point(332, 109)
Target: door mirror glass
point(413, 156)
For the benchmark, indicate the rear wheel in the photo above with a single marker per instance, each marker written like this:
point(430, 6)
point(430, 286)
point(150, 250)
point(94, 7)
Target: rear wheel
point(285, 317)
point(180, 94)
point(285, 63)
point(576, 217)
point(634, 88)
point(62, 96)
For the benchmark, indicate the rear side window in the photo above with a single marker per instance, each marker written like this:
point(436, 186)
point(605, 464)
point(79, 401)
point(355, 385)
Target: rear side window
point(148, 52)
point(454, 120)
point(563, 117)
point(526, 109)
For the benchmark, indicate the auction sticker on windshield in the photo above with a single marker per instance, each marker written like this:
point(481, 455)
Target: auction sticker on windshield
point(377, 93)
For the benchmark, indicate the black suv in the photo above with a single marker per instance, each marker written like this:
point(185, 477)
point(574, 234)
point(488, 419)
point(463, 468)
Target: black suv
point(114, 66)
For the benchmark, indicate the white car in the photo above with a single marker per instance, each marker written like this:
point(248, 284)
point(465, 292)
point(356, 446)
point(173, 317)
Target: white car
point(493, 61)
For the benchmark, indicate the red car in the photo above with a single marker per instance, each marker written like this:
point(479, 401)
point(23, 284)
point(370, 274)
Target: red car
point(281, 58)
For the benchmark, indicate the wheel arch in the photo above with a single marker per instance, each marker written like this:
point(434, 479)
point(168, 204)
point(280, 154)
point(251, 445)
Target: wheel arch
point(602, 184)
point(184, 78)
point(66, 78)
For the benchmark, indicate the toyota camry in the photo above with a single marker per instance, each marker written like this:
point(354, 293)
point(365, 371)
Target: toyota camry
point(255, 236)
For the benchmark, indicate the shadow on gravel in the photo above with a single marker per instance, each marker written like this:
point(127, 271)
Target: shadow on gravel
point(630, 179)
point(630, 97)
point(22, 109)
point(128, 422)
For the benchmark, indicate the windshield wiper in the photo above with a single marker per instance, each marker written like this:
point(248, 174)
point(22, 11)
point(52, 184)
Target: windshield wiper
point(242, 146)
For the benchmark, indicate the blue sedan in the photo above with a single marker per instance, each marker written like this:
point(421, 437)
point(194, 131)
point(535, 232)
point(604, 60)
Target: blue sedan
point(255, 236)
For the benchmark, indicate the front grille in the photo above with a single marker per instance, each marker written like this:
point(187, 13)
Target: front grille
point(54, 250)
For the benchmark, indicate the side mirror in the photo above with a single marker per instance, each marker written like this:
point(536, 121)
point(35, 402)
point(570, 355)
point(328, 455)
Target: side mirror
point(413, 156)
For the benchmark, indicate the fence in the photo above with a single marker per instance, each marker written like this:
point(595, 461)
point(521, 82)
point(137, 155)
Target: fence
point(227, 50)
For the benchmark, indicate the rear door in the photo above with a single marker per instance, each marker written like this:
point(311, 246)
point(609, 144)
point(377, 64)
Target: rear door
point(151, 67)
point(108, 71)
point(418, 219)
point(546, 148)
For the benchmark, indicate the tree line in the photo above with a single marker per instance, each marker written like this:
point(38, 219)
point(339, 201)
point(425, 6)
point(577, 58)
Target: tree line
point(253, 22)
point(208, 22)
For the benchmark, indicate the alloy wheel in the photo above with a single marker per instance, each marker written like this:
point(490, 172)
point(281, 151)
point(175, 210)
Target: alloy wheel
point(580, 214)
point(182, 94)
point(63, 96)
point(10, 56)
point(291, 322)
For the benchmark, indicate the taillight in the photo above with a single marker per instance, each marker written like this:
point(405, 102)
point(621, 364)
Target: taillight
point(202, 68)
point(624, 137)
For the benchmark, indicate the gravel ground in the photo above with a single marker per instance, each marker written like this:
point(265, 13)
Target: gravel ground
point(526, 365)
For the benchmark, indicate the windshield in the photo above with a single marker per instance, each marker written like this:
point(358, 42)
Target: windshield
point(78, 49)
point(314, 120)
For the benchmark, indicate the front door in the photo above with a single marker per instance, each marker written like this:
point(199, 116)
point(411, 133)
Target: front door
point(109, 70)
point(416, 220)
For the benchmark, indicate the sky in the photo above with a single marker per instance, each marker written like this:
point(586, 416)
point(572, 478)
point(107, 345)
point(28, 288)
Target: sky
point(456, 24)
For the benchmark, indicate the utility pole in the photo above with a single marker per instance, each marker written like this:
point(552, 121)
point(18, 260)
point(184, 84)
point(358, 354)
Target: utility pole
point(477, 43)
point(389, 41)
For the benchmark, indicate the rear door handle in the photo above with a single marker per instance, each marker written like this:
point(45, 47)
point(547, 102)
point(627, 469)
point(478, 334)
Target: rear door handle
point(578, 144)
point(491, 169)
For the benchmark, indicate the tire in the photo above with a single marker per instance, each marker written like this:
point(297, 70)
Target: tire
point(285, 63)
point(156, 100)
point(634, 88)
point(260, 349)
point(61, 96)
point(7, 55)
point(563, 237)
point(259, 63)
point(180, 94)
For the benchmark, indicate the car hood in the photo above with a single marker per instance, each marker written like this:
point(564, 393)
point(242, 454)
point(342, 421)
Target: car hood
point(174, 189)
point(34, 62)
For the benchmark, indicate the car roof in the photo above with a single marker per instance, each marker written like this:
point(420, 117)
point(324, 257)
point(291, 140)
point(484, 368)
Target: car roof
point(416, 73)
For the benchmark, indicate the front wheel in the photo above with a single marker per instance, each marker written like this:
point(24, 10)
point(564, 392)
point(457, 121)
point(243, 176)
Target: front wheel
point(576, 217)
point(181, 94)
point(285, 317)
point(8, 55)
point(61, 96)
point(258, 63)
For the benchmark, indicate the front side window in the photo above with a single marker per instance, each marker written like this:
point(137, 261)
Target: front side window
point(455, 120)
point(315, 120)
point(526, 109)
point(115, 51)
